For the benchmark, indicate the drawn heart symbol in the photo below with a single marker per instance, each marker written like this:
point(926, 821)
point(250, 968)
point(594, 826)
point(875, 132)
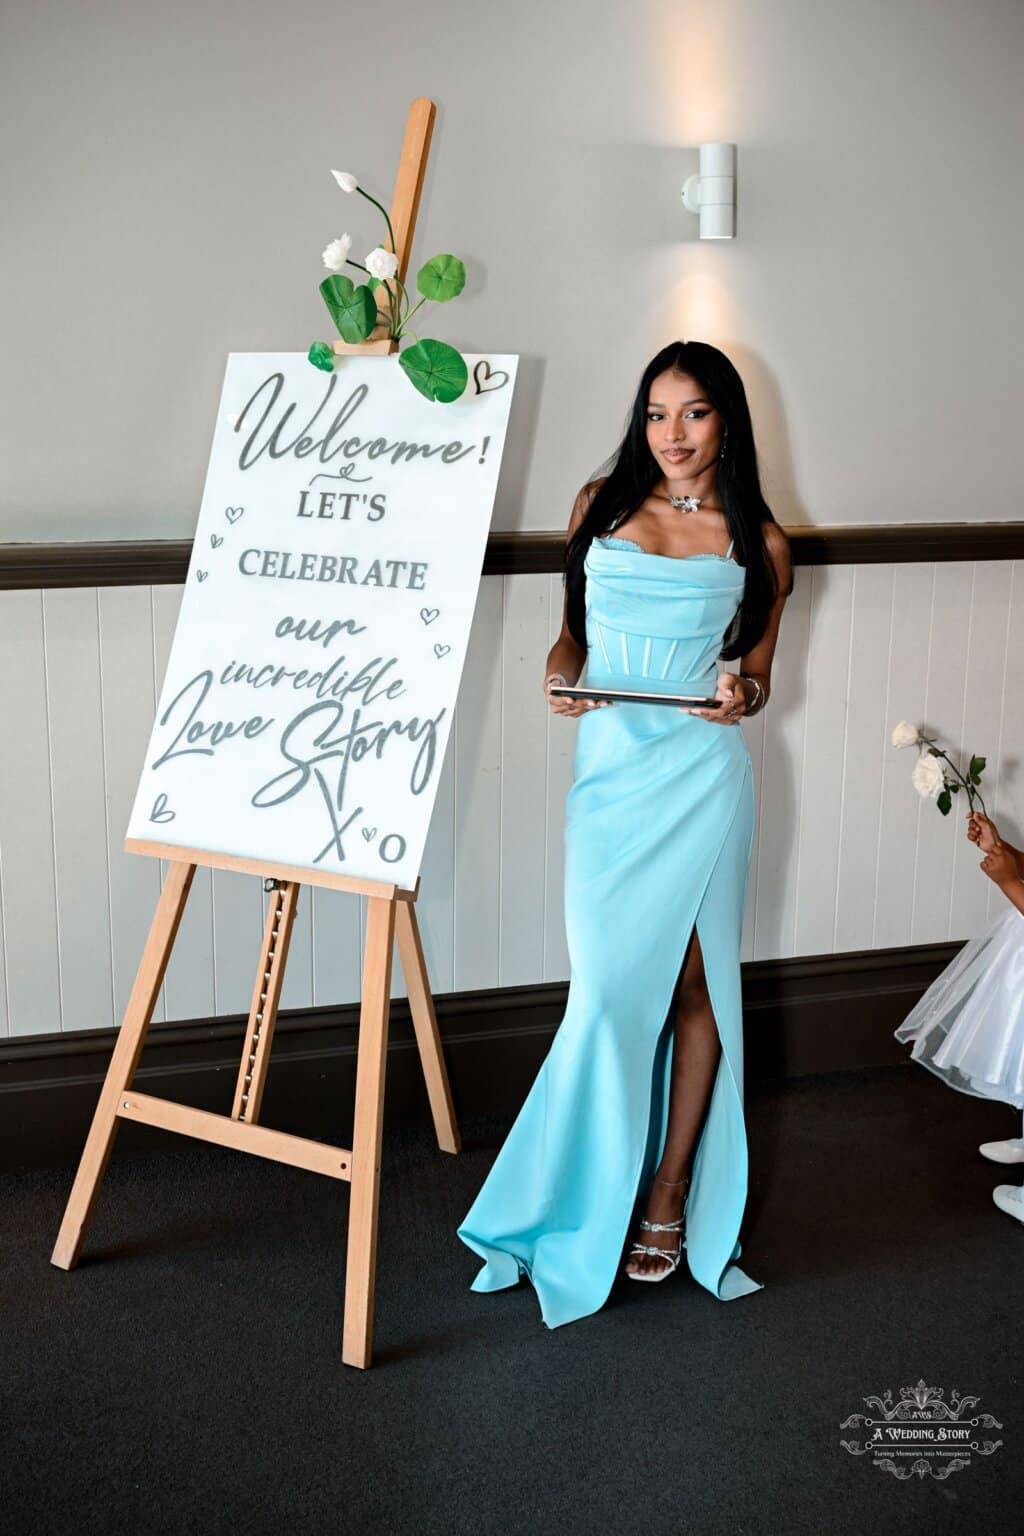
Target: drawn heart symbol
point(428, 615)
point(216, 539)
point(160, 811)
point(369, 833)
point(202, 575)
point(481, 380)
point(441, 650)
point(233, 513)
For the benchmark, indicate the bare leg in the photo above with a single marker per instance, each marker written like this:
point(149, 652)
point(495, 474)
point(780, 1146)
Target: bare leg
point(696, 1049)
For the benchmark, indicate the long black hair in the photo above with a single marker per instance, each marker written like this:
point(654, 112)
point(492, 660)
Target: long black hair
point(633, 471)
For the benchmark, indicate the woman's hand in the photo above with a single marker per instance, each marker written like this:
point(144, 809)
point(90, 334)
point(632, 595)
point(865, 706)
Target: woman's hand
point(732, 691)
point(1000, 866)
point(984, 832)
point(569, 706)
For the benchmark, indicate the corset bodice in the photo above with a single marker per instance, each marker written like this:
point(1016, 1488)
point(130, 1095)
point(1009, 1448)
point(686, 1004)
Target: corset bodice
point(656, 619)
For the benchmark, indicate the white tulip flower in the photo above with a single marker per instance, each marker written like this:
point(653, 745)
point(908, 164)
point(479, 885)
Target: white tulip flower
point(927, 777)
point(382, 264)
point(906, 735)
point(336, 254)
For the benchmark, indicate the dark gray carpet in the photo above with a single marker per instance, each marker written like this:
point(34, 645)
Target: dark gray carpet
point(187, 1378)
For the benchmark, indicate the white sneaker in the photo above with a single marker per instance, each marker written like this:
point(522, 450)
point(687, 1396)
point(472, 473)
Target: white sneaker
point(1010, 1198)
point(1011, 1151)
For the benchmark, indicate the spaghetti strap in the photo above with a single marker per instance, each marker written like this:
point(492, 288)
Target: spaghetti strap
point(728, 552)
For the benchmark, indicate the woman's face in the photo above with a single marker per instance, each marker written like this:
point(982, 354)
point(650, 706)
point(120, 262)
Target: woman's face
point(684, 431)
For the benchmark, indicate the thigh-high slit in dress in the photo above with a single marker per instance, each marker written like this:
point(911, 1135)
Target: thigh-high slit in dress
point(658, 834)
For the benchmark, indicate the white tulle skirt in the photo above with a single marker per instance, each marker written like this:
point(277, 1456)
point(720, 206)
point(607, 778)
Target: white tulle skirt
point(968, 1028)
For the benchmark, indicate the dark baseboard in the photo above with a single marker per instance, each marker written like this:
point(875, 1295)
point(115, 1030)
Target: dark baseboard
point(819, 1013)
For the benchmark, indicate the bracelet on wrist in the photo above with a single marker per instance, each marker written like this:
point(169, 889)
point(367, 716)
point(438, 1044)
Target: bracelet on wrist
point(760, 699)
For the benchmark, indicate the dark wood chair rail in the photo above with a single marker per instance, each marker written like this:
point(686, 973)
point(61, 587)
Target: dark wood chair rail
point(152, 562)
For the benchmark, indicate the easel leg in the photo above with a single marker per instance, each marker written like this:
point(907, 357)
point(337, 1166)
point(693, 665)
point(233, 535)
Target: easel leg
point(361, 1265)
point(127, 1050)
point(421, 1006)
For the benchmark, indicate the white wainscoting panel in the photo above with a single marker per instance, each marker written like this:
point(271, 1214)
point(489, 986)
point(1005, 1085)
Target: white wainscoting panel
point(846, 855)
point(31, 941)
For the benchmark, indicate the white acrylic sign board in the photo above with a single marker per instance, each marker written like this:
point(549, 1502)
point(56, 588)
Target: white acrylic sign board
point(309, 691)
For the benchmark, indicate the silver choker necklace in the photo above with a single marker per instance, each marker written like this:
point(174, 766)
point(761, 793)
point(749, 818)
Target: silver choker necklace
point(685, 503)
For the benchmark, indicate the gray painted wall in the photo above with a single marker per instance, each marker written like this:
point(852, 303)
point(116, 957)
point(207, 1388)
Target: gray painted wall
point(167, 196)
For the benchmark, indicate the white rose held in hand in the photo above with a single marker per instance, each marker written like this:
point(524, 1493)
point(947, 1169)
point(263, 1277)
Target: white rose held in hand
point(346, 181)
point(382, 264)
point(927, 777)
point(336, 254)
point(939, 783)
point(906, 735)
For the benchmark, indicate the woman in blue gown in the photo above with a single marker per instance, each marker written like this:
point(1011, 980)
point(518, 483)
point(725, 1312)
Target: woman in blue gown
point(639, 1100)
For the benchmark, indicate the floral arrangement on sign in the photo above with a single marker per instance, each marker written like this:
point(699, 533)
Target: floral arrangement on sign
point(436, 369)
point(931, 780)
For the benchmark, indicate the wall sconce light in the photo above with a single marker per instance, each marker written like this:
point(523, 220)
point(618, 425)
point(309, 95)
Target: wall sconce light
point(711, 192)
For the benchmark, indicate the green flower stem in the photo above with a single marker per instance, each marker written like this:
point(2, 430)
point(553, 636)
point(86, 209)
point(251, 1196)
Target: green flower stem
point(404, 320)
point(403, 296)
point(349, 262)
point(387, 217)
point(972, 789)
point(409, 316)
point(403, 301)
point(393, 328)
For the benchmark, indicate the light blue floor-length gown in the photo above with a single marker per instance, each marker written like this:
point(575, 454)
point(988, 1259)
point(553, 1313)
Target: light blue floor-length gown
point(658, 832)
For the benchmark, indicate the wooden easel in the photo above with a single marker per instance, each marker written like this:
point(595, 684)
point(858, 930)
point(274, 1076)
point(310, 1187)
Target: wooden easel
point(391, 917)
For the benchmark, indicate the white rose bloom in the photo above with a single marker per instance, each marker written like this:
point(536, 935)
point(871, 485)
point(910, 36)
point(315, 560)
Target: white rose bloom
point(346, 181)
point(381, 263)
point(927, 776)
point(906, 735)
point(336, 254)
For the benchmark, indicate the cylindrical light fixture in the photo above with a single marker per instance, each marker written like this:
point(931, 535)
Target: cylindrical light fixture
point(711, 191)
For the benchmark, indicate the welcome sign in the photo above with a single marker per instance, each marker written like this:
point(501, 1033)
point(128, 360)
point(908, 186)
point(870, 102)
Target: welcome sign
point(314, 669)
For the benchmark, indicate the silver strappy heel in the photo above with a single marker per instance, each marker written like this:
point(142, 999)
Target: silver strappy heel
point(671, 1256)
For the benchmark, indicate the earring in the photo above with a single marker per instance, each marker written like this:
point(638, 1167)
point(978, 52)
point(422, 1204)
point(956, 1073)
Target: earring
point(721, 451)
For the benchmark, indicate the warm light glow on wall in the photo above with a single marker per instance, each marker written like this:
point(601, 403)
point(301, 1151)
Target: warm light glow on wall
point(696, 297)
point(696, 62)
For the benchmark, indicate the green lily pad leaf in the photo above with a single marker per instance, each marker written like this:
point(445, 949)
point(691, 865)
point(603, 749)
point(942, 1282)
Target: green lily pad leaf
point(373, 283)
point(321, 355)
point(441, 278)
point(353, 310)
point(436, 369)
point(337, 290)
